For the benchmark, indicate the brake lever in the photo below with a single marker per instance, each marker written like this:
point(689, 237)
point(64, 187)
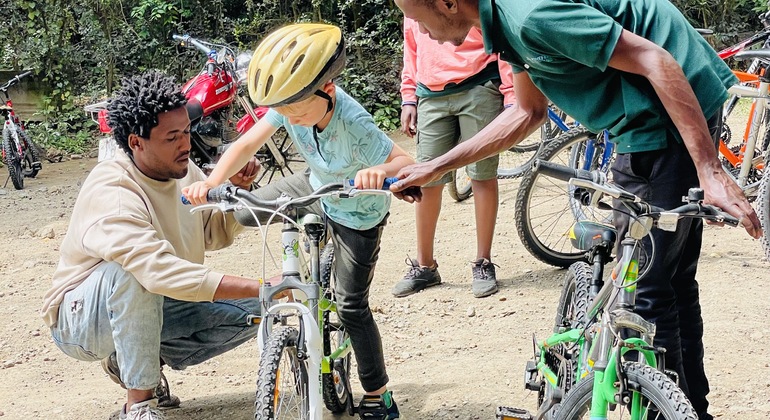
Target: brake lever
point(223, 207)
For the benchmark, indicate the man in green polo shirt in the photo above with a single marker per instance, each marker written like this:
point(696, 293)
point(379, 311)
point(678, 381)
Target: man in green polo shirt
point(638, 69)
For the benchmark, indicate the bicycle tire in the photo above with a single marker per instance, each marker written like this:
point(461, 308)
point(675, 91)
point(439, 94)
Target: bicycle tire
point(545, 233)
point(337, 393)
point(281, 395)
point(31, 155)
point(575, 298)
point(762, 205)
point(654, 387)
point(12, 160)
point(570, 313)
point(271, 169)
point(459, 186)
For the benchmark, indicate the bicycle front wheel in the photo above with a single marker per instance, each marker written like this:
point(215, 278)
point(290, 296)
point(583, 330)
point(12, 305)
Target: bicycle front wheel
point(654, 396)
point(546, 208)
point(763, 209)
point(282, 383)
point(13, 160)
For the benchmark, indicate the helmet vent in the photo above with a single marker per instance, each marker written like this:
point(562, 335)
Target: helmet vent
point(297, 63)
point(268, 85)
point(288, 50)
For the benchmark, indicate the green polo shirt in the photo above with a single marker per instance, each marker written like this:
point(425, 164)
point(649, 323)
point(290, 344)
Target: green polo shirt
point(565, 46)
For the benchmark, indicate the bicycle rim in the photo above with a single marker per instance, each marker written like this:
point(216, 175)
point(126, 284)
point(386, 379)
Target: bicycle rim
point(654, 397)
point(282, 384)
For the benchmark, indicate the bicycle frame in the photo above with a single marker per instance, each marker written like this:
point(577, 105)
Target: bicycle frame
point(602, 354)
point(748, 146)
point(309, 313)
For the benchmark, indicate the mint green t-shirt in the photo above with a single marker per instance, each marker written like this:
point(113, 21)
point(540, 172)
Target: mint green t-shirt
point(565, 46)
point(349, 143)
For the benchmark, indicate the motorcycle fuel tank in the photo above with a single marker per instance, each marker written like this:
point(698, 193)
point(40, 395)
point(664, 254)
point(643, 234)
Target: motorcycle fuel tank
point(213, 91)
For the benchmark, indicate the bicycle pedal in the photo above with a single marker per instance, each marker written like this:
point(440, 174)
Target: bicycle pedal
point(510, 413)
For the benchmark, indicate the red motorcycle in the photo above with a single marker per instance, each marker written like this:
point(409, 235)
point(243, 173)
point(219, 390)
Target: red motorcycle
point(220, 111)
point(216, 98)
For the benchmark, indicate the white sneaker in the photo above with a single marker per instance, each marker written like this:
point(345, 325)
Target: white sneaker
point(145, 410)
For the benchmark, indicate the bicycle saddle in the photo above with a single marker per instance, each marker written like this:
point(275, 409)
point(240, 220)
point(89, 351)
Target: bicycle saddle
point(585, 234)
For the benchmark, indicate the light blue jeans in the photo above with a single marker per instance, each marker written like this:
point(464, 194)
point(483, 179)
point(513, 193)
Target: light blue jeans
point(112, 312)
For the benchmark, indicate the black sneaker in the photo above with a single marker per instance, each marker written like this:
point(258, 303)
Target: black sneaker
point(484, 279)
point(162, 391)
point(378, 407)
point(417, 278)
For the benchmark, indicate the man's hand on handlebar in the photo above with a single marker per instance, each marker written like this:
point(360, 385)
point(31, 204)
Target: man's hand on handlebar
point(720, 190)
point(411, 178)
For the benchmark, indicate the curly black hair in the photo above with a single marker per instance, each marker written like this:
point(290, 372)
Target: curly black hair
point(135, 107)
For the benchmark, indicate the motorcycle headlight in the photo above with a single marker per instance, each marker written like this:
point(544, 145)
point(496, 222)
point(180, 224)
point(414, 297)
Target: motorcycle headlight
point(242, 65)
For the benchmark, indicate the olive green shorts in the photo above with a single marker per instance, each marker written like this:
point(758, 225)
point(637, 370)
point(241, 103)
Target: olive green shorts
point(445, 121)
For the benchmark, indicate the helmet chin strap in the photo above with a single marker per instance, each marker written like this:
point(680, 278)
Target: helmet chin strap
point(329, 107)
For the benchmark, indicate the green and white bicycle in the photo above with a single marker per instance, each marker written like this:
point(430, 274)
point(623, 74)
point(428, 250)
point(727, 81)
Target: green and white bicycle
point(305, 352)
point(584, 370)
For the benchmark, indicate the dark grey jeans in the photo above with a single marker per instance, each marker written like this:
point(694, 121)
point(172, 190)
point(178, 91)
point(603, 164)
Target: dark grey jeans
point(668, 293)
point(355, 256)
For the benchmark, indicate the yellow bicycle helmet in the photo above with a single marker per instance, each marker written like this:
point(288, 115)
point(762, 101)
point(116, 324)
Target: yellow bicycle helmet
point(293, 62)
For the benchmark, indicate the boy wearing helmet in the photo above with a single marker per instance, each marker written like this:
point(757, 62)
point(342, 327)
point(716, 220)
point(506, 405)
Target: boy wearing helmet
point(291, 72)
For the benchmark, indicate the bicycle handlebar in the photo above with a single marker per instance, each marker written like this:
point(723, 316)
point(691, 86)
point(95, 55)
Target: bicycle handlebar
point(15, 80)
point(597, 181)
point(226, 193)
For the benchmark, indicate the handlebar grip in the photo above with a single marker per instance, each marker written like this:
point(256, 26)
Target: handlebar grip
point(215, 195)
point(176, 37)
point(385, 184)
point(562, 172)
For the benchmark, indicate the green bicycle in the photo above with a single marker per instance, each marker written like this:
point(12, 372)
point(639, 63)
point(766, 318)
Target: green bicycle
point(585, 370)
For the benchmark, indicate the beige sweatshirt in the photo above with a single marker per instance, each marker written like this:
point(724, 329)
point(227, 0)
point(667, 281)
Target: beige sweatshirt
point(122, 215)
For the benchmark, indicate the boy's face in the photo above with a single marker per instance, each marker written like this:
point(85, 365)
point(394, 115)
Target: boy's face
point(305, 113)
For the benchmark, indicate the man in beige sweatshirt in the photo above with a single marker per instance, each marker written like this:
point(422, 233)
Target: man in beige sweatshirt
point(131, 288)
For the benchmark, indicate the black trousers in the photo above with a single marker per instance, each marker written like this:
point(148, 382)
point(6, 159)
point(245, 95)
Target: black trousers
point(668, 293)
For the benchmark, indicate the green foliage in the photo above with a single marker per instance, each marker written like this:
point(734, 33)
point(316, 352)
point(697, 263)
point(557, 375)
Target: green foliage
point(77, 48)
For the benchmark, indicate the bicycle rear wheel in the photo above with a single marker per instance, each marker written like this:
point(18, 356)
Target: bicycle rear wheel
point(31, 160)
point(546, 207)
point(336, 384)
point(654, 396)
point(282, 383)
point(12, 160)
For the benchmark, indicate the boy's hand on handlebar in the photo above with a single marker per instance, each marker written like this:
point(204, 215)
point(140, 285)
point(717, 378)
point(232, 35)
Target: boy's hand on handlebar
point(411, 178)
point(196, 193)
point(369, 179)
point(721, 191)
point(246, 176)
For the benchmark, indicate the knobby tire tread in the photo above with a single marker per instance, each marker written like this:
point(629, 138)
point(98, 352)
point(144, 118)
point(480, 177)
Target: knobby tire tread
point(763, 209)
point(523, 216)
point(269, 362)
point(652, 383)
point(576, 293)
point(332, 400)
point(12, 161)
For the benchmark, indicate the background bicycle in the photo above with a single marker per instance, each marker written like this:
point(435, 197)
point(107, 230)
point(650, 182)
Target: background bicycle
point(20, 154)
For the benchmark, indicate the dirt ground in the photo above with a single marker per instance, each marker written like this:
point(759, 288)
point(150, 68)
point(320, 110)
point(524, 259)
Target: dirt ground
point(449, 355)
